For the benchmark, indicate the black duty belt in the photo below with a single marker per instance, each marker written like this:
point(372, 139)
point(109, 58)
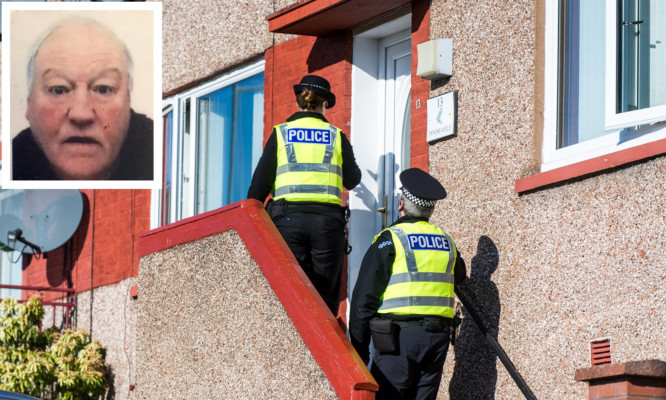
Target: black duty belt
point(431, 324)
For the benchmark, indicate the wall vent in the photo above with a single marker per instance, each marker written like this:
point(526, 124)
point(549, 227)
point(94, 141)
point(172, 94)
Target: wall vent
point(600, 351)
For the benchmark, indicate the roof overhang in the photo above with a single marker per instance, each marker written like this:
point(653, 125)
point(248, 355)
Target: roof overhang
point(323, 17)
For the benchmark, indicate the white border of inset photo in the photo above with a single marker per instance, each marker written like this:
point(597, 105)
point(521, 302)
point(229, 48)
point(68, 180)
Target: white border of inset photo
point(137, 25)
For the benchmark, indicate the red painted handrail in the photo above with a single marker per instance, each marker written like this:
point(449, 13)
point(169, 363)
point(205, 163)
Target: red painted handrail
point(68, 305)
point(39, 288)
point(313, 320)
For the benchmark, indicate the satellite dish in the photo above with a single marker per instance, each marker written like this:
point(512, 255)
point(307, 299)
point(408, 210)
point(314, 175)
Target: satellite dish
point(39, 221)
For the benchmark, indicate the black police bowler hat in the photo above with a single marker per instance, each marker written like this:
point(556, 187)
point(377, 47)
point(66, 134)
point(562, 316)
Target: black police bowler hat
point(319, 86)
point(422, 184)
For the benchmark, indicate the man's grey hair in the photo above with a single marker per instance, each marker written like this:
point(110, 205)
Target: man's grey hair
point(413, 210)
point(77, 21)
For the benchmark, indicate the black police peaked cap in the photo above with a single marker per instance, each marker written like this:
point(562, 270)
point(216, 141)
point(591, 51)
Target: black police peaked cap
point(319, 86)
point(420, 187)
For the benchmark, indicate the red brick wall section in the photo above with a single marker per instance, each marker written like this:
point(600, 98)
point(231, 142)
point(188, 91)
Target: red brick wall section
point(115, 218)
point(420, 87)
point(288, 62)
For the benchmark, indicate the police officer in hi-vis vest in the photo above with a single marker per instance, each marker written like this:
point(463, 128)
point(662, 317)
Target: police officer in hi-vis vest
point(305, 165)
point(403, 296)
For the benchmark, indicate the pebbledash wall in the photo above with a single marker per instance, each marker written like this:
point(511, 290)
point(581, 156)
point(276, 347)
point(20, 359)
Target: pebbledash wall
point(550, 269)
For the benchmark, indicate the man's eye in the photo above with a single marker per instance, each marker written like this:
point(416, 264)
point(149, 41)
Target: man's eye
point(58, 90)
point(104, 89)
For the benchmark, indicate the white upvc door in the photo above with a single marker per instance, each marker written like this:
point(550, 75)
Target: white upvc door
point(380, 130)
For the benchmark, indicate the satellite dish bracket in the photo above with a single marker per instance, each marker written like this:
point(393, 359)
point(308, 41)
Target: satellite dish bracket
point(17, 236)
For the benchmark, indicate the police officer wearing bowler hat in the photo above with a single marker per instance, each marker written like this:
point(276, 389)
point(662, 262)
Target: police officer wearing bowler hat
point(305, 165)
point(404, 297)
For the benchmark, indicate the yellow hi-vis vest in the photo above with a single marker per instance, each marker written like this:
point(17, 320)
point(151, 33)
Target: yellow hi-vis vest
point(309, 162)
point(422, 274)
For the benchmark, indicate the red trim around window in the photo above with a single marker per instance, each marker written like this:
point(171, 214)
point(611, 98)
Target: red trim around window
point(590, 166)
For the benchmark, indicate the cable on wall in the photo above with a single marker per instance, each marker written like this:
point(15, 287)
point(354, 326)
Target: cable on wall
point(92, 262)
point(127, 296)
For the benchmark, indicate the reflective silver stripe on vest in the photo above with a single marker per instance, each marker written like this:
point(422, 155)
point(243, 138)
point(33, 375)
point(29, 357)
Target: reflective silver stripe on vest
point(452, 256)
point(317, 189)
point(441, 277)
point(328, 156)
point(432, 301)
point(331, 168)
point(289, 147)
point(409, 253)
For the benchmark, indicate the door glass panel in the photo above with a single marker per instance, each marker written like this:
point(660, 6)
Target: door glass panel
point(396, 151)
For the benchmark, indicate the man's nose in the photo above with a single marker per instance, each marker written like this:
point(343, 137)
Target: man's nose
point(81, 107)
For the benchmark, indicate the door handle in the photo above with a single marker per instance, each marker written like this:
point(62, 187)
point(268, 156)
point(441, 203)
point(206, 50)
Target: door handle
point(383, 211)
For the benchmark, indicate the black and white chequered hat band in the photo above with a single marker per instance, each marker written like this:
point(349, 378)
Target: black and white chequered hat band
point(417, 200)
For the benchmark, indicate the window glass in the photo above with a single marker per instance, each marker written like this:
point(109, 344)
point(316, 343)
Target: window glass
point(11, 203)
point(582, 72)
point(213, 138)
point(184, 162)
point(604, 89)
point(10, 273)
point(228, 120)
point(167, 184)
point(642, 59)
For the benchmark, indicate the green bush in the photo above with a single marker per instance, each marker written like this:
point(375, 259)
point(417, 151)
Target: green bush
point(48, 364)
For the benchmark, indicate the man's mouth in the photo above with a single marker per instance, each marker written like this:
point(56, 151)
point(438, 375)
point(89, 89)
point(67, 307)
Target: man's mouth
point(81, 140)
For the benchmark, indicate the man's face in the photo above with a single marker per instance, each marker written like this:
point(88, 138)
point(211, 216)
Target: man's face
point(79, 104)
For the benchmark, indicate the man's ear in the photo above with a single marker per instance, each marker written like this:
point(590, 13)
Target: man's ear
point(401, 204)
point(28, 107)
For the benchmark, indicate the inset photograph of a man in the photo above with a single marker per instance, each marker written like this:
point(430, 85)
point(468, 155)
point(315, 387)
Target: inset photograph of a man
point(81, 96)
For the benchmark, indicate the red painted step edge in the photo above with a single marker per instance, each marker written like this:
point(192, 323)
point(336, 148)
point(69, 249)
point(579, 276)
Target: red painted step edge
point(315, 323)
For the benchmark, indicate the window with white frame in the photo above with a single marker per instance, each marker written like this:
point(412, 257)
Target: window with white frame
point(213, 137)
point(605, 90)
point(11, 261)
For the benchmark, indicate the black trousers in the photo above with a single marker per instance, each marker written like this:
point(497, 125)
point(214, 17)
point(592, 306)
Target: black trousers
point(318, 243)
point(415, 371)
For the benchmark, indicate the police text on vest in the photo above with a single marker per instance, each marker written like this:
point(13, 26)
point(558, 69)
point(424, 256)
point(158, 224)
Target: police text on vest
point(426, 241)
point(305, 135)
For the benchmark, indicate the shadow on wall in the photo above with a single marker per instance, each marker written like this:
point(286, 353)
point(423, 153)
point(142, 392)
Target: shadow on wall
point(475, 372)
point(327, 51)
point(111, 379)
point(60, 263)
